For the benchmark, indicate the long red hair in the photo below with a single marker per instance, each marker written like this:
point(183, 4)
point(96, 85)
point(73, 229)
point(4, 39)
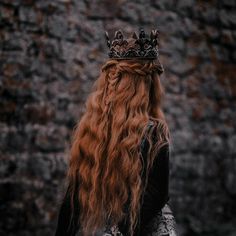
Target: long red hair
point(105, 153)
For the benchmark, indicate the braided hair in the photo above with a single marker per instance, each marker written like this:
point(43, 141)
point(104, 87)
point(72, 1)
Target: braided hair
point(118, 68)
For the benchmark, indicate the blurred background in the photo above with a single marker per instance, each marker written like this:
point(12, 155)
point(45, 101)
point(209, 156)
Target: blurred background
point(50, 55)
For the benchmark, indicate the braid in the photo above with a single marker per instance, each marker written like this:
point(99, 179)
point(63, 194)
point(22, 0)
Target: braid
point(140, 69)
point(112, 78)
point(114, 70)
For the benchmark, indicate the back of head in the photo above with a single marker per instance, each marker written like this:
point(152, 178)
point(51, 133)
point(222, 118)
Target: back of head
point(106, 142)
point(134, 83)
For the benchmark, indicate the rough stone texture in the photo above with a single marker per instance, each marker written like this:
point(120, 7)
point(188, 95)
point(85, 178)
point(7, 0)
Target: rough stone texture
point(51, 52)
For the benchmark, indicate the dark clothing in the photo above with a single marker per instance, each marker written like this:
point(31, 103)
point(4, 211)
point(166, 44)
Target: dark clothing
point(155, 197)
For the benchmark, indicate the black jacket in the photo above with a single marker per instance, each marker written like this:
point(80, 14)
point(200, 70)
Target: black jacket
point(154, 198)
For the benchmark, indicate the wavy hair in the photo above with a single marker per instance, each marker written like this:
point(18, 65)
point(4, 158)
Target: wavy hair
point(106, 159)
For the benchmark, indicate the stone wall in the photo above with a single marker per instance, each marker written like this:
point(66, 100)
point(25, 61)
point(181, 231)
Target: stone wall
point(51, 52)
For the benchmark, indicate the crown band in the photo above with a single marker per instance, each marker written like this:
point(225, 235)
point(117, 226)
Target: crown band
point(137, 47)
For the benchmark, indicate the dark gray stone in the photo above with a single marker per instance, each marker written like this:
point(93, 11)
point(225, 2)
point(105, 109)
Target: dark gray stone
point(27, 14)
point(57, 26)
point(162, 4)
point(228, 18)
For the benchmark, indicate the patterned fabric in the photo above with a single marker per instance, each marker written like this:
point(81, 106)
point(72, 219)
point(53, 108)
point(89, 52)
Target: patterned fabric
point(107, 231)
point(112, 231)
point(162, 225)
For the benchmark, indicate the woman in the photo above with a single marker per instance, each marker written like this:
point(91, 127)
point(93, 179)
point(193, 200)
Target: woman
point(118, 174)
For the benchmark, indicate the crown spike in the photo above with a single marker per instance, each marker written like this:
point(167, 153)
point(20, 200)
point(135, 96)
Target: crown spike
point(155, 33)
point(141, 33)
point(152, 35)
point(107, 39)
point(118, 35)
point(134, 36)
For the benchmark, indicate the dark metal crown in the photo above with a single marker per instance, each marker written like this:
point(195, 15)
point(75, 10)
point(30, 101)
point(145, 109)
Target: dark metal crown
point(136, 47)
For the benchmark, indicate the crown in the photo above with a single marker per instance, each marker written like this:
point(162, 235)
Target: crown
point(136, 47)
